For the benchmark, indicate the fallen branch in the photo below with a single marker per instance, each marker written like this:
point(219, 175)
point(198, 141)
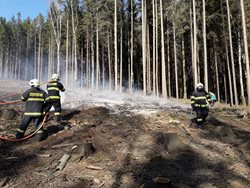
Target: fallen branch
point(63, 145)
point(94, 167)
point(43, 155)
point(63, 161)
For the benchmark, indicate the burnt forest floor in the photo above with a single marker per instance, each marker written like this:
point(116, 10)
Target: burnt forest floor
point(127, 144)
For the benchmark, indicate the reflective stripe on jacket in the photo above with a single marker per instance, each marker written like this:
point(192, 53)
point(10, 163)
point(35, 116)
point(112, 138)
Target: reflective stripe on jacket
point(35, 99)
point(54, 87)
point(200, 99)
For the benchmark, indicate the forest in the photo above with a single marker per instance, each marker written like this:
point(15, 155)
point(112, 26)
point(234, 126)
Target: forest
point(161, 47)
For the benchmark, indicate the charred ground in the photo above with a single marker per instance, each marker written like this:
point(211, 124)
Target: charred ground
point(128, 144)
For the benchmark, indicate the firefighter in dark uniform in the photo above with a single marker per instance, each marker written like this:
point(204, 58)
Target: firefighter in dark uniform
point(35, 107)
point(54, 87)
point(200, 102)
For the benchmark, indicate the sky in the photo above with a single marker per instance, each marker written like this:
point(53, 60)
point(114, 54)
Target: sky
point(31, 8)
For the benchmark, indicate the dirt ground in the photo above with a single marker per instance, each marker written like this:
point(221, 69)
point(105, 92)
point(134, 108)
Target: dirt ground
point(130, 142)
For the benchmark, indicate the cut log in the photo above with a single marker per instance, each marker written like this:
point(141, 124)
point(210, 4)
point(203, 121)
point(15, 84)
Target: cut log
point(63, 161)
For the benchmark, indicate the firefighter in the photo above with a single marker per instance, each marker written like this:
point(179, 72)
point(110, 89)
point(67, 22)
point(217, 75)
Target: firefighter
point(36, 104)
point(54, 87)
point(200, 102)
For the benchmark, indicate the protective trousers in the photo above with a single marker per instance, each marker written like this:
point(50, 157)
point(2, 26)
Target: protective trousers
point(25, 123)
point(56, 103)
point(201, 115)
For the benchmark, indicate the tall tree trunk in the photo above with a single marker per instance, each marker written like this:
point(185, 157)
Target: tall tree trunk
point(246, 50)
point(115, 42)
point(121, 59)
point(164, 90)
point(232, 55)
point(144, 45)
point(88, 62)
point(67, 54)
point(169, 65)
point(74, 30)
point(205, 45)
point(156, 50)
point(39, 54)
point(97, 53)
point(191, 35)
point(184, 69)
point(109, 60)
point(195, 46)
point(35, 57)
point(92, 62)
point(132, 48)
point(217, 75)
point(227, 58)
point(240, 72)
point(175, 63)
point(154, 79)
point(103, 69)
point(148, 63)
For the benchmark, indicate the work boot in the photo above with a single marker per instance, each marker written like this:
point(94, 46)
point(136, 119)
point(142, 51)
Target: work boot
point(58, 119)
point(19, 135)
point(39, 136)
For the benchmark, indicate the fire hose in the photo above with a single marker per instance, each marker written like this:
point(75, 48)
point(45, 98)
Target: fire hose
point(28, 136)
point(12, 94)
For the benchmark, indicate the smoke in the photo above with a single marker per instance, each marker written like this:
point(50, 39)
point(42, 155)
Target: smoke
point(118, 102)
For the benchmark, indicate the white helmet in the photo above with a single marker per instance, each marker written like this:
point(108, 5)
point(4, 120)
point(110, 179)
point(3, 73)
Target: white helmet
point(34, 82)
point(55, 76)
point(199, 85)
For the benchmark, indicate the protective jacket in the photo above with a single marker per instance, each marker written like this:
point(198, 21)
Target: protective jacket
point(200, 99)
point(53, 88)
point(36, 99)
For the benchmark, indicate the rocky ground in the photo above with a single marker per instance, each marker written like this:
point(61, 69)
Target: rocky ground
point(116, 140)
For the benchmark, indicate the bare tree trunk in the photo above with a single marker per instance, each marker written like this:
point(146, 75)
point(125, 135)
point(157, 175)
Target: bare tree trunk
point(205, 45)
point(67, 54)
point(74, 30)
point(1, 63)
point(192, 35)
point(246, 50)
point(156, 50)
point(154, 79)
point(109, 59)
point(116, 49)
point(82, 67)
point(132, 48)
point(88, 63)
point(195, 46)
point(148, 63)
point(35, 66)
point(240, 72)
point(121, 60)
point(164, 90)
point(175, 63)
point(103, 69)
point(169, 65)
point(227, 59)
point(92, 62)
point(144, 46)
point(184, 69)
point(232, 55)
point(56, 20)
point(217, 75)
point(97, 53)
point(225, 84)
point(39, 53)
point(49, 60)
